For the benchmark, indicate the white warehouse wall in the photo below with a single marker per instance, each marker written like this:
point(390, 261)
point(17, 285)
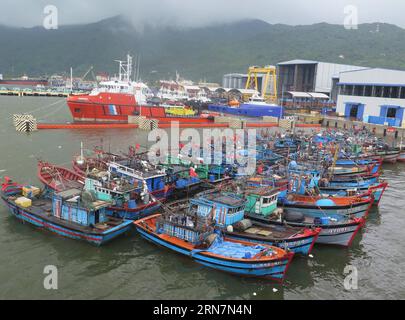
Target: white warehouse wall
point(325, 71)
point(371, 104)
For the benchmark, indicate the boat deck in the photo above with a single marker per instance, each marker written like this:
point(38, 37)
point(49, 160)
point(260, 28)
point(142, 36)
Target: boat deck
point(236, 250)
point(42, 208)
point(263, 232)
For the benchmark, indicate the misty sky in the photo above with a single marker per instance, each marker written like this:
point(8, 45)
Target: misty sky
point(196, 13)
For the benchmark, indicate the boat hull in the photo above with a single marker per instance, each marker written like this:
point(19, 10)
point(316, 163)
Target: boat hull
point(341, 234)
point(401, 157)
point(116, 107)
point(246, 110)
point(118, 212)
point(274, 269)
point(302, 245)
point(376, 190)
point(133, 214)
point(356, 211)
point(94, 238)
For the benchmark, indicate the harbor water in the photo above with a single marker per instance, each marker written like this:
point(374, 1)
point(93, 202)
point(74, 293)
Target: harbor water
point(132, 268)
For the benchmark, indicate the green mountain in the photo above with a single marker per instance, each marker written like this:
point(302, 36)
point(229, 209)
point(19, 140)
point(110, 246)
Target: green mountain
point(196, 53)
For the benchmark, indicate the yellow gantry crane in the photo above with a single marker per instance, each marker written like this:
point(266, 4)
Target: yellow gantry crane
point(269, 73)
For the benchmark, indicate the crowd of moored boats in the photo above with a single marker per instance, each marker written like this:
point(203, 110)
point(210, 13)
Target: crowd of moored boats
point(308, 189)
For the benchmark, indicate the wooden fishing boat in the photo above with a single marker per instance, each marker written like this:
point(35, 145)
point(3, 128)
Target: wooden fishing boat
point(58, 178)
point(388, 156)
point(354, 178)
point(129, 199)
point(69, 213)
point(231, 213)
point(318, 206)
point(84, 164)
point(377, 190)
point(339, 231)
point(355, 170)
point(212, 250)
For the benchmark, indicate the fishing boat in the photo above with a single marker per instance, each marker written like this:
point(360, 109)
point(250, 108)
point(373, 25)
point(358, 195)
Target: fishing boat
point(356, 162)
point(155, 178)
point(338, 230)
point(401, 157)
point(58, 178)
point(70, 213)
point(388, 156)
point(208, 247)
point(84, 164)
point(319, 206)
point(401, 148)
point(356, 170)
point(231, 213)
point(128, 197)
point(377, 190)
point(359, 181)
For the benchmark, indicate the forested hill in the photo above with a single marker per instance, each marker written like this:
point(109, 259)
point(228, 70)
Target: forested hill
point(196, 53)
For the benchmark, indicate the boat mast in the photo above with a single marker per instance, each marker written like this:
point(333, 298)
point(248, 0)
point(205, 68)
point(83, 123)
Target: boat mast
point(71, 79)
point(125, 69)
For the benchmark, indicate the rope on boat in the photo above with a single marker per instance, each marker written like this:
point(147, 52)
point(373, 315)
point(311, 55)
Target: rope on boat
point(47, 106)
point(52, 112)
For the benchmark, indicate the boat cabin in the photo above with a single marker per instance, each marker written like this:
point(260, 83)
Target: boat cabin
point(108, 190)
point(154, 178)
point(82, 208)
point(225, 208)
point(261, 201)
point(183, 177)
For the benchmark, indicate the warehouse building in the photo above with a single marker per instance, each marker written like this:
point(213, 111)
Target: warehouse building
point(372, 95)
point(234, 80)
point(239, 80)
point(308, 76)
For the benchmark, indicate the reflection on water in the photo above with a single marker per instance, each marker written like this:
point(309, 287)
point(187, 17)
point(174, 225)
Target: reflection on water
point(132, 268)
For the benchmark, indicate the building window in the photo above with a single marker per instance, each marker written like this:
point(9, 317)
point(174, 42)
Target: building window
point(378, 91)
point(354, 111)
point(358, 90)
point(392, 113)
point(402, 94)
point(394, 92)
point(368, 91)
point(348, 90)
point(386, 92)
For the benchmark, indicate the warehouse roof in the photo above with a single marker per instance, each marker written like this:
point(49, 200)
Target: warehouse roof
point(374, 76)
point(317, 95)
point(245, 91)
point(298, 61)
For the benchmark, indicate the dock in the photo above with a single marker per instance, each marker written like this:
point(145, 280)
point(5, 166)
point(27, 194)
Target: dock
point(32, 93)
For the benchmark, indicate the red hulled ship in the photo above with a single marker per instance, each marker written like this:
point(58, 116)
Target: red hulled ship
point(115, 100)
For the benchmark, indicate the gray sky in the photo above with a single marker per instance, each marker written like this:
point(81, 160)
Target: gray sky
point(186, 13)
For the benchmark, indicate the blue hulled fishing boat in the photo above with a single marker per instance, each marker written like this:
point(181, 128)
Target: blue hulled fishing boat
point(71, 213)
point(231, 213)
point(127, 194)
point(196, 239)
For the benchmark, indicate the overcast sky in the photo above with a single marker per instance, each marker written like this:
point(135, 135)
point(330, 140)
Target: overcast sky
point(186, 13)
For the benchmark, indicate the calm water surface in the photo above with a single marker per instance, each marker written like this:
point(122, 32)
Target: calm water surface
point(131, 268)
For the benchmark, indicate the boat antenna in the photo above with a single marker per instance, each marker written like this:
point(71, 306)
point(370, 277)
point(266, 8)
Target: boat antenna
point(125, 69)
point(138, 68)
